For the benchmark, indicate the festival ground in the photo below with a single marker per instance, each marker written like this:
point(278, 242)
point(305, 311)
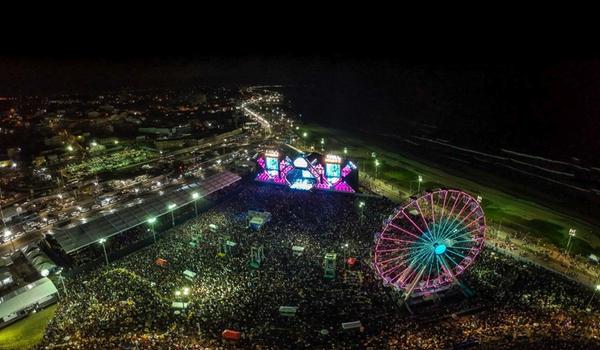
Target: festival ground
point(128, 303)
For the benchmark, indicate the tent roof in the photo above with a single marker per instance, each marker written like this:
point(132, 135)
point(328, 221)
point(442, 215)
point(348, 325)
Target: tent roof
point(26, 296)
point(75, 238)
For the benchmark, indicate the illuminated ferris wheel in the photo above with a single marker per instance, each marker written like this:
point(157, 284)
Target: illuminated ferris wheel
point(430, 240)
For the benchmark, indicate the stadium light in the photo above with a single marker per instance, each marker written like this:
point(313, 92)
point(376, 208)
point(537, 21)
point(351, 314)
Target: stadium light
point(361, 205)
point(151, 221)
point(572, 232)
point(195, 196)
point(102, 241)
point(593, 294)
point(171, 208)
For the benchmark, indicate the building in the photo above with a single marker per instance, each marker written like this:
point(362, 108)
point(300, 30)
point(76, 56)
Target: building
point(29, 298)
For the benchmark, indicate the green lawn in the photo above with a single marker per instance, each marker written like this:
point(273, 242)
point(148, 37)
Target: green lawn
point(517, 214)
point(28, 332)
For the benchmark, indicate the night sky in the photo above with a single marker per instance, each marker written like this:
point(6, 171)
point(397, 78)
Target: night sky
point(548, 108)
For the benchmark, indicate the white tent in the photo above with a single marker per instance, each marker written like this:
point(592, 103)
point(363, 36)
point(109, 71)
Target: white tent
point(38, 293)
point(351, 325)
point(190, 275)
point(179, 305)
point(297, 250)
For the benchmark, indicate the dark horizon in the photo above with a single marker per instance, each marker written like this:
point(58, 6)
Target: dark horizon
point(546, 107)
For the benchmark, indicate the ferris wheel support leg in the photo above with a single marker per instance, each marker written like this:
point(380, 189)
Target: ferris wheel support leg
point(405, 302)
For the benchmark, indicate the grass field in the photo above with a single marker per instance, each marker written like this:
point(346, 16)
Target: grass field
point(517, 214)
point(28, 332)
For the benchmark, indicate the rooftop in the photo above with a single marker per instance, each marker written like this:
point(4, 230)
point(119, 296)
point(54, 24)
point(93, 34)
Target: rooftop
point(78, 237)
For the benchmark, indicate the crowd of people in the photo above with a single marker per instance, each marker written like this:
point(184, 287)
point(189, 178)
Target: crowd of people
point(129, 303)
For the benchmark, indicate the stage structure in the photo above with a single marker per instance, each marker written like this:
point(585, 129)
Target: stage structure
point(305, 172)
point(429, 241)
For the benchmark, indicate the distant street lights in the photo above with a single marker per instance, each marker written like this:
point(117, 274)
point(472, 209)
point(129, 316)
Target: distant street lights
point(195, 196)
point(572, 232)
point(171, 208)
point(102, 241)
point(151, 221)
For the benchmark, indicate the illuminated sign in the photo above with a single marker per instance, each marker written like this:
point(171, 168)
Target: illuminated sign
point(272, 153)
point(307, 174)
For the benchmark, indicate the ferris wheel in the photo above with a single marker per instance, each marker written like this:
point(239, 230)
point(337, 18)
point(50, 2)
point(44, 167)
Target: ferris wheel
point(430, 240)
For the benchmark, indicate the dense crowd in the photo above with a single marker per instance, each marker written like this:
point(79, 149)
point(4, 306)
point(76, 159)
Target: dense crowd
point(128, 304)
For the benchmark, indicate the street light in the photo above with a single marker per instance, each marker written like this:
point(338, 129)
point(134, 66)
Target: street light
point(305, 134)
point(195, 196)
point(344, 247)
point(102, 241)
point(593, 294)
point(345, 150)
point(62, 280)
point(151, 221)
point(361, 205)
point(419, 180)
point(376, 167)
point(572, 232)
point(171, 208)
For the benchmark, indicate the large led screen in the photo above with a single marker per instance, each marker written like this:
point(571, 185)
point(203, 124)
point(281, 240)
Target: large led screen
point(332, 170)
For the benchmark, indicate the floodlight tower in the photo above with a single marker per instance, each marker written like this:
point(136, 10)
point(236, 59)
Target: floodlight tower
point(102, 241)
